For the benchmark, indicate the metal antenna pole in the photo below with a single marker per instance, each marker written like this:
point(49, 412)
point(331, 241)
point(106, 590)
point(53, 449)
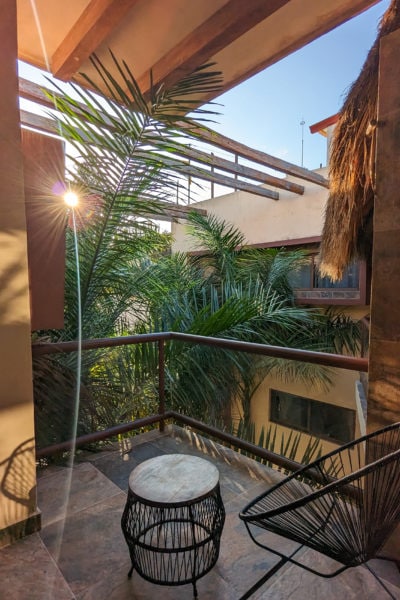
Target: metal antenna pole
point(302, 123)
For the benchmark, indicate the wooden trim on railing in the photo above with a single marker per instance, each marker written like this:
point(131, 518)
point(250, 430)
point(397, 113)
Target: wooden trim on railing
point(95, 344)
point(322, 358)
point(339, 361)
point(276, 459)
point(344, 362)
point(161, 381)
point(98, 436)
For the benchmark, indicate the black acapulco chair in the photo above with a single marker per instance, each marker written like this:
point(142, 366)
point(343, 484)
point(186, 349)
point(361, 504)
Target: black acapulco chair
point(345, 505)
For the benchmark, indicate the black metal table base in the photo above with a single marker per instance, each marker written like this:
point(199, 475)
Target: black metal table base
point(173, 544)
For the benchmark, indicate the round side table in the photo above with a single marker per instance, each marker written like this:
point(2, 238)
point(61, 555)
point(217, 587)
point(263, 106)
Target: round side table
point(173, 519)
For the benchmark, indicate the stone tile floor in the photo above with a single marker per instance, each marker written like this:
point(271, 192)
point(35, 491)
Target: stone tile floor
point(80, 553)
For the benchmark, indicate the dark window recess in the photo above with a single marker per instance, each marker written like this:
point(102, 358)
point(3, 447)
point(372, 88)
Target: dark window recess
point(350, 279)
point(310, 288)
point(307, 277)
point(320, 419)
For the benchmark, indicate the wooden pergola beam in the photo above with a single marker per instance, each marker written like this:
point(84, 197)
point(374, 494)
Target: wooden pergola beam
point(232, 20)
point(242, 170)
point(94, 25)
point(28, 119)
point(48, 126)
point(33, 92)
point(175, 211)
point(225, 181)
point(168, 211)
point(209, 136)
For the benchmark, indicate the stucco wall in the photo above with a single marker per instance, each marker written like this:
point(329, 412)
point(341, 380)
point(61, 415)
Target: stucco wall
point(342, 394)
point(263, 220)
point(17, 460)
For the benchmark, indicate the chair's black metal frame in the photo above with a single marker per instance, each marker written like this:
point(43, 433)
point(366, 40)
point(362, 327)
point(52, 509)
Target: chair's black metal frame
point(345, 505)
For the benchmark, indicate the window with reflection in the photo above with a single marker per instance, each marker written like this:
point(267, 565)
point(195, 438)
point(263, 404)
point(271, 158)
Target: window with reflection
point(320, 419)
point(307, 277)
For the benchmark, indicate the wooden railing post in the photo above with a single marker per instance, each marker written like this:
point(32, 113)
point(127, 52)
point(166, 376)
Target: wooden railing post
point(161, 382)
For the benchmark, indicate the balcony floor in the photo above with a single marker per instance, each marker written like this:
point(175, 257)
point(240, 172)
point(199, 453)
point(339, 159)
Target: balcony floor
point(81, 554)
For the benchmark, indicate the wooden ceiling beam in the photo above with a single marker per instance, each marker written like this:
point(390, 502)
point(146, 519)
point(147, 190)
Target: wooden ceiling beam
point(32, 91)
point(242, 170)
point(321, 26)
point(93, 26)
point(210, 136)
point(231, 21)
point(225, 181)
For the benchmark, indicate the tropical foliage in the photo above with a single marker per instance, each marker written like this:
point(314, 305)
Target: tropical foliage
point(125, 171)
point(230, 293)
point(296, 446)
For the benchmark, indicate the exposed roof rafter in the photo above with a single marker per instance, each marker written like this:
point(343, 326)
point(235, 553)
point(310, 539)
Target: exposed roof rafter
point(96, 22)
point(231, 21)
point(221, 141)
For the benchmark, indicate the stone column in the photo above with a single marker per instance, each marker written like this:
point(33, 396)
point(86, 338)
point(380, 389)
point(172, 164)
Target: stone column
point(18, 513)
point(384, 361)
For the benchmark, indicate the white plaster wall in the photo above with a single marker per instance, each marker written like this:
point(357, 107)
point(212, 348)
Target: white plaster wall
point(263, 220)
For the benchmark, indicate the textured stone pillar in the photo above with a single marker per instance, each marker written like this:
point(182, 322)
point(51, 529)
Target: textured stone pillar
point(384, 370)
point(18, 514)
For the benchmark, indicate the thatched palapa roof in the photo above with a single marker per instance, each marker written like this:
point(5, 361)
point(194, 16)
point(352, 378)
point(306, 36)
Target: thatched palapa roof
point(347, 233)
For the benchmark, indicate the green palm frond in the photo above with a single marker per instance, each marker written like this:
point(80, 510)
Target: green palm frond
point(126, 166)
point(288, 445)
point(124, 169)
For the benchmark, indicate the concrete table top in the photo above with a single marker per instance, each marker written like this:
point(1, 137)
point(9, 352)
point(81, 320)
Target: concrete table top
point(173, 478)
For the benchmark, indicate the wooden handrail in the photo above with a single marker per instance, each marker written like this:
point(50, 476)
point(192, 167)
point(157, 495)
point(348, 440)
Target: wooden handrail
point(339, 361)
point(39, 349)
point(98, 436)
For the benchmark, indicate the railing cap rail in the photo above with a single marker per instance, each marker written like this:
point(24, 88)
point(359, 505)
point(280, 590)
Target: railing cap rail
point(322, 358)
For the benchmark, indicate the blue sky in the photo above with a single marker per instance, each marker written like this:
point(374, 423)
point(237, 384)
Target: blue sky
point(265, 112)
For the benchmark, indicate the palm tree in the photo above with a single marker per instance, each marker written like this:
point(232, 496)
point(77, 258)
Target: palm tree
point(229, 292)
point(125, 171)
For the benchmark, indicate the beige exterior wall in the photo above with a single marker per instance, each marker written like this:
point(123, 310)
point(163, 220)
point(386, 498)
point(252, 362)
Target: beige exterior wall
point(17, 459)
point(262, 220)
point(341, 394)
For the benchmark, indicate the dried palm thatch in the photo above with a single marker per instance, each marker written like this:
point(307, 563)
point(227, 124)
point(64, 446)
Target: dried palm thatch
point(347, 233)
